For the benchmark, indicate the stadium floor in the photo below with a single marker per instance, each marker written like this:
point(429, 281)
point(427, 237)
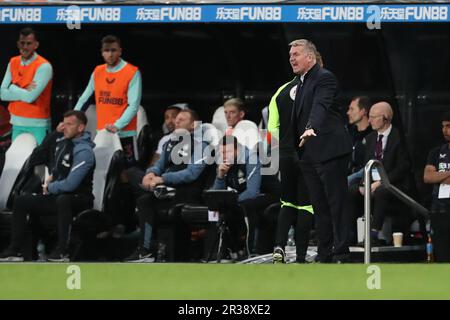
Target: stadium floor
point(219, 281)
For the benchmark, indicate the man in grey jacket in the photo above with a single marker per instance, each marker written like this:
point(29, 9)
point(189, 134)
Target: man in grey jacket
point(67, 191)
point(180, 167)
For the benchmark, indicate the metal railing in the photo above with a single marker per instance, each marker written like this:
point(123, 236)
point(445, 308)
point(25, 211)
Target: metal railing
point(392, 189)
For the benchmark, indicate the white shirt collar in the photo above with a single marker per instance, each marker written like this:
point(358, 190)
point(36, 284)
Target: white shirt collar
point(302, 77)
point(385, 136)
point(386, 132)
point(29, 61)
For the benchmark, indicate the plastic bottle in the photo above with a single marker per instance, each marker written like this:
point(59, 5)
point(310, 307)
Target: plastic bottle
point(161, 255)
point(430, 257)
point(41, 251)
point(291, 238)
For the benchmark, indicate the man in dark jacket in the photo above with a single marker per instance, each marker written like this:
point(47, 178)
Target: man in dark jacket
point(323, 147)
point(66, 191)
point(238, 170)
point(385, 145)
point(437, 172)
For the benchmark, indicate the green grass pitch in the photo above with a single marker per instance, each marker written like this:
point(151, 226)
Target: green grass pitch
point(219, 281)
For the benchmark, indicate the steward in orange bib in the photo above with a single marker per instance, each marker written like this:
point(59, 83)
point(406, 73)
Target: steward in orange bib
point(27, 85)
point(118, 89)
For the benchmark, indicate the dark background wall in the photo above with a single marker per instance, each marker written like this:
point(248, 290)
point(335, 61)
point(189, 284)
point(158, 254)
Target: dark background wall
point(204, 64)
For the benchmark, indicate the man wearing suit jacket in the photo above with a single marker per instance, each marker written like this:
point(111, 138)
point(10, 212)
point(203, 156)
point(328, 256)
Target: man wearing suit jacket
point(324, 146)
point(383, 144)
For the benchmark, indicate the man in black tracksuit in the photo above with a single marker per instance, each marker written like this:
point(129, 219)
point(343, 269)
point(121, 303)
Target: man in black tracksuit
point(239, 170)
point(295, 205)
point(437, 172)
point(68, 189)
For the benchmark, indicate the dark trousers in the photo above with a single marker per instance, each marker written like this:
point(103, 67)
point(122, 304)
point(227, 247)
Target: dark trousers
point(381, 202)
point(295, 192)
point(147, 207)
point(440, 224)
point(261, 228)
point(327, 186)
point(129, 147)
point(64, 206)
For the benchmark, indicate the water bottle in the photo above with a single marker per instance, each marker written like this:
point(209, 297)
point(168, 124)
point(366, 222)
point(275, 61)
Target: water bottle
point(41, 251)
point(291, 237)
point(429, 250)
point(161, 255)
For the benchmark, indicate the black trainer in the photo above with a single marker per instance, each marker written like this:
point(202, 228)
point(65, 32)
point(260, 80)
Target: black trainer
point(278, 255)
point(58, 255)
point(140, 255)
point(11, 255)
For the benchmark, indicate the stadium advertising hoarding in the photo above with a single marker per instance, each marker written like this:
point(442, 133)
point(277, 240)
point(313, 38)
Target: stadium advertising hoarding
point(404, 13)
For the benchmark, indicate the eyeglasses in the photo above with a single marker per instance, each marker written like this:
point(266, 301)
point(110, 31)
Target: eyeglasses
point(374, 117)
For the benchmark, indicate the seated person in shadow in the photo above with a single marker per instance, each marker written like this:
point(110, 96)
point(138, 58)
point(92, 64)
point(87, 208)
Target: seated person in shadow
point(359, 128)
point(240, 170)
point(67, 191)
point(180, 167)
point(383, 144)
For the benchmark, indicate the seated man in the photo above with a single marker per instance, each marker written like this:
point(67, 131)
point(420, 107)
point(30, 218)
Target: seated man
point(385, 145)
point(234, 112)
point(359, 128)
point(241, 172)
point(169, 123)
point(68, 189)
point(437, 172)
point(180, 166)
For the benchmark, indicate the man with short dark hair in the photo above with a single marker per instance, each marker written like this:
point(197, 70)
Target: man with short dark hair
point(241, 172)
point(359, 128)
point(169, 123)
point(27, 85)
point(117, 86)
point(437, 172)
point(67, 191)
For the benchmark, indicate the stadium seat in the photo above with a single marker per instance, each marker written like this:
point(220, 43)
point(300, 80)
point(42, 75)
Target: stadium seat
point(246, 133)
point(15, 158)
point(109, 160)
point(147, 141)
point(16, 173)
point(219, 120)
point(263, 124)
point(91, 114)
point(211, 134)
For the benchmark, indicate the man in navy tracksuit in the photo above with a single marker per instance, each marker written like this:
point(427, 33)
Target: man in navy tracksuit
point(68, 189)
point(239, 170)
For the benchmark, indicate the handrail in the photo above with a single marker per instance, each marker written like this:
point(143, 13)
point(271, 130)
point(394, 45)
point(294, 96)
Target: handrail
point(392, 189)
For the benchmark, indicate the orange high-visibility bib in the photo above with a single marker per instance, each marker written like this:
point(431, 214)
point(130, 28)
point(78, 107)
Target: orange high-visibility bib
point(111, 98)
point(22, 76)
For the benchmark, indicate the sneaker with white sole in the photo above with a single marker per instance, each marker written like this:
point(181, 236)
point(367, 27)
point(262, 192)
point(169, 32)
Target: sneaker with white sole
point(11, 255)
point(58, 255)
point(140, 255)
point(278, 255)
